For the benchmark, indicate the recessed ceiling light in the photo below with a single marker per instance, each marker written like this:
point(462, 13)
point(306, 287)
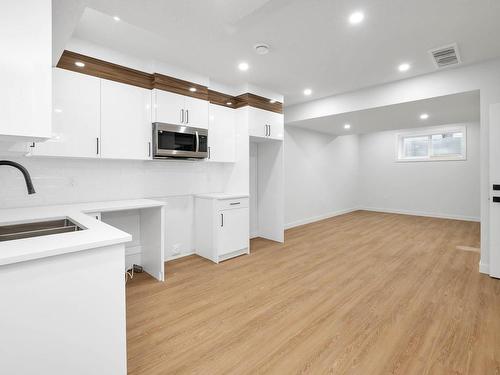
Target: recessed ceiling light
point(308, 92)
point(404, 67)
point(192, 89)
point(424, 116)
point(229, 103)
point(116, 18)
point(243, 66)
point(79, 64)
point(272, 101)
point(347, 126)
point(356, 17)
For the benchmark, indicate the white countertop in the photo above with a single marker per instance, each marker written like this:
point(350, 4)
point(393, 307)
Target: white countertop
point(97, 233)
point(221, 196)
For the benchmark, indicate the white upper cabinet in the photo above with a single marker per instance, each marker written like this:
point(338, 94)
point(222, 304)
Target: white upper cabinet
point(222, 134)
point(126, 127)
point(265, 124)
point(196, 112)
point(76, 116)
point(178, 109)
point(25, 69)
point(168, 107)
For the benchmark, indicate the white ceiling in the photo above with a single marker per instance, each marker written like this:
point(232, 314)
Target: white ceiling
point(449, 109)
point(312, 43)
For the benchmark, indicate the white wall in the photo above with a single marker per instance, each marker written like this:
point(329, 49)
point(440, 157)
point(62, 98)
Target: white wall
point(63, 180)
point(254, 189)
point(440, 188)
point(321, 173)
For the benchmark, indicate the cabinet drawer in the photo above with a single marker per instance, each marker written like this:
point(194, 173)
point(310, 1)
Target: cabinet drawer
point(228, 204)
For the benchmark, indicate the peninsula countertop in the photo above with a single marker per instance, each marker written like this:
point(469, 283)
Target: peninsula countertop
point(96, 233)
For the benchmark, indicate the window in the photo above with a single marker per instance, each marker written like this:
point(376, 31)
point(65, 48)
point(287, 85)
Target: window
point(433, 144)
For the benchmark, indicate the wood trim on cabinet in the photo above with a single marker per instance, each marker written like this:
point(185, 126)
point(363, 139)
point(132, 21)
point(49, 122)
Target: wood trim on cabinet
point(219, 98)
point(257, 101)
point(104, 69)
point(122, 74)
point(179, 86)
point(244, 100)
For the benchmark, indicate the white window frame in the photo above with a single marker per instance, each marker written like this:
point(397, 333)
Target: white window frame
point(429, 132)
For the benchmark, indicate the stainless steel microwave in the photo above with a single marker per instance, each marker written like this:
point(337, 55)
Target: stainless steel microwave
point(179, 141)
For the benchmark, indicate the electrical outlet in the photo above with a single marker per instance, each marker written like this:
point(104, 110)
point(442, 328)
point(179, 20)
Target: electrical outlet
point(176, 249)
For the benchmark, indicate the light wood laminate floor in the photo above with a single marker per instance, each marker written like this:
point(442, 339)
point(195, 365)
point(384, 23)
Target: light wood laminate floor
point(362, 293)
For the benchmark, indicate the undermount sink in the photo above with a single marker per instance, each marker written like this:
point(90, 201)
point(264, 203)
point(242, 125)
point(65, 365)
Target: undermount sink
point(37, 229)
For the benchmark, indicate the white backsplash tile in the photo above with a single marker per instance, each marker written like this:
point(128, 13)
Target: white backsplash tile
point(62, 181)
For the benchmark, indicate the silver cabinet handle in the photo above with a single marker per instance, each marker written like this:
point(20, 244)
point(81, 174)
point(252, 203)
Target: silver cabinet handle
point(209, 152)
point(182, 116)
point(222, 220)
point(269, 127)
point(97, 145)
point(149, 149)
point(234, 203)
point(266, 129)
point(187, 116)
point(197, 141)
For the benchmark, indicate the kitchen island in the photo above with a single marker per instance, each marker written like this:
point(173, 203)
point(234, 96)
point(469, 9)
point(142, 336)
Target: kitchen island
point(63, 295)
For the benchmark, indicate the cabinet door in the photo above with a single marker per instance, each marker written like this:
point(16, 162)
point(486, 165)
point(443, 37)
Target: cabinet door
point(233, 230)
point(168, 107)
point(196, 112)
point(265, 123)
point(257, 121)
point(276, 125)
point(76, 116)
point(222, 134)
point(125, 121)
point(25, 69)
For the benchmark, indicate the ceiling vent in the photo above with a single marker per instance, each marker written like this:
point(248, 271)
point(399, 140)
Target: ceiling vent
point(261, 49)
point(446, 56)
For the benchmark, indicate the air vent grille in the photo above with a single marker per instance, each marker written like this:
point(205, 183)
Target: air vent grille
point(446, 56)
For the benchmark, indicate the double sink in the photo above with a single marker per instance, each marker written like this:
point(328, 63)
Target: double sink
point(37, 229)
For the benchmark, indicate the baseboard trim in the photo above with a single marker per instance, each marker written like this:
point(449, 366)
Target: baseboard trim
point(313, 219)
point(421, 213)
point(484, 268)
point(178, 256)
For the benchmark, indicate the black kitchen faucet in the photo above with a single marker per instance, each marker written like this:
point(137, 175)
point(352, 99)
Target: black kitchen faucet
point(24, 171)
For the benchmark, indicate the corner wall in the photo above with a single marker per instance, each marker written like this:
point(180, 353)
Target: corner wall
point(321, 173)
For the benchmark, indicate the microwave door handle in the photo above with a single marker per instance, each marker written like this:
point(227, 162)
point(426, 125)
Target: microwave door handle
point(197, 141)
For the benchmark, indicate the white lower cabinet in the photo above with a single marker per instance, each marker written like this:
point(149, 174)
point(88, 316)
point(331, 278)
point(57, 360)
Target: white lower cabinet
point(222, 134)
point(125, 121)
point(76, 116)
point(265, 124)
point(221, 226)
